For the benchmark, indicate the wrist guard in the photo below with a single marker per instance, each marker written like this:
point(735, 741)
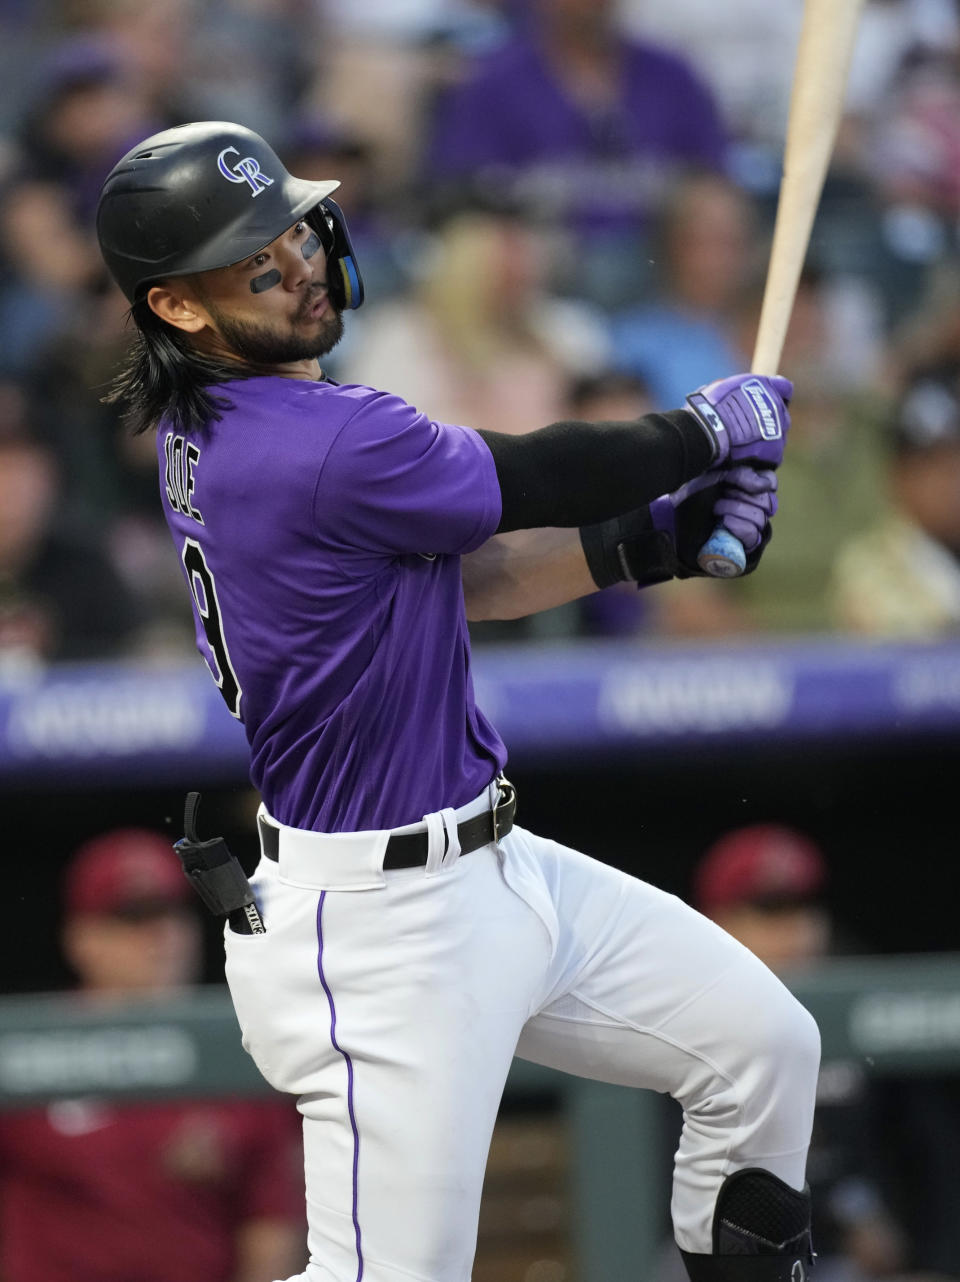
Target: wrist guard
point(659, 542)
point(629, 549)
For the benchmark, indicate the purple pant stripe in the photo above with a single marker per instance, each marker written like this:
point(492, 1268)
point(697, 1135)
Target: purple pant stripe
point(349, 1063)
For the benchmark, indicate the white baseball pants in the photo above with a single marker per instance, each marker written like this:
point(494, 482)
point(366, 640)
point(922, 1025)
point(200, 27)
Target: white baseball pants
point(394, 1012)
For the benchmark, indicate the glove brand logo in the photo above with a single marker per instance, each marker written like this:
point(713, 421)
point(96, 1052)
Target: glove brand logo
point(767, 416)
point(246, 170)
point(798, 1273)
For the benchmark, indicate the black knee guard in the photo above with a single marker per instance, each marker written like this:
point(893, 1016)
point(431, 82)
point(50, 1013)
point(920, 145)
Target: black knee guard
point(761, 1232)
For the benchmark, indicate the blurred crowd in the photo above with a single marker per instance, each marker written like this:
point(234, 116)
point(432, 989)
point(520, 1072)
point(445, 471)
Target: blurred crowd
point(561, 208)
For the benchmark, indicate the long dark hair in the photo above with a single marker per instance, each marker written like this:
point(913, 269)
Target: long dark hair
point(163, 376)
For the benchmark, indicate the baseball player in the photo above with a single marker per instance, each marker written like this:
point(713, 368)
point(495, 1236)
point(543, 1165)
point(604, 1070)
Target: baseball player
point(402, 938)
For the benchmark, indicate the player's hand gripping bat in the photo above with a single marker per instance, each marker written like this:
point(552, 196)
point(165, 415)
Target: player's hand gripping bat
point(816, 105)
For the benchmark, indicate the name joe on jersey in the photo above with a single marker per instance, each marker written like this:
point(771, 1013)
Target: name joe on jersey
point(182, 457)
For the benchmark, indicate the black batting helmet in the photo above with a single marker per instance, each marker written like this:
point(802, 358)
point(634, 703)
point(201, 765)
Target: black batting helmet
point(207, 195)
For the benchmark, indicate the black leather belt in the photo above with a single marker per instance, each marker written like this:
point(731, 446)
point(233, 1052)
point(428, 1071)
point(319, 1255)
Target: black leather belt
point(409, 849)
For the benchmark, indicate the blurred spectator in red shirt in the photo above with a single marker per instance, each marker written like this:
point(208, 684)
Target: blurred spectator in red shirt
point(178, 1191)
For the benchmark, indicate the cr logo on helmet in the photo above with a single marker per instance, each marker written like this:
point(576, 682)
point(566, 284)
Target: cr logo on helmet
point(246, 170)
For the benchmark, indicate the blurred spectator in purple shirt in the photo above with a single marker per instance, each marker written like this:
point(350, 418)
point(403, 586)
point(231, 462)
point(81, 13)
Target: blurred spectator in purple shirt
point(585, 124)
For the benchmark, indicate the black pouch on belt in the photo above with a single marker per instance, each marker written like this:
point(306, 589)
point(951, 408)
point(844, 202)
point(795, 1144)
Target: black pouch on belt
point(216, 875)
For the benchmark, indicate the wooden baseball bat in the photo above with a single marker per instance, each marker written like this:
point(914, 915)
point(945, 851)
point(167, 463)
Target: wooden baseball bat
point(816, 106)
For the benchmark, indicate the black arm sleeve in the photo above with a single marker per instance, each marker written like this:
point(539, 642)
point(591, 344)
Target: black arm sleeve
point(572, 473)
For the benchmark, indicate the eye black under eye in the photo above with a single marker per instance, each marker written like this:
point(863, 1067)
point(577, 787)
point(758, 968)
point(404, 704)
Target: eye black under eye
point(266, 281)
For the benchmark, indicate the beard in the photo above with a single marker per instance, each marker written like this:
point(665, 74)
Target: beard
point(266, 345)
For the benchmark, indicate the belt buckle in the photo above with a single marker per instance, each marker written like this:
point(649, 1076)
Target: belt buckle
point(507, 795)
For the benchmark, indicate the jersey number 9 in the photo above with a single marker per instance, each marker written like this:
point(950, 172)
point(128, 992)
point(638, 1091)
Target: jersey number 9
point(204, 593)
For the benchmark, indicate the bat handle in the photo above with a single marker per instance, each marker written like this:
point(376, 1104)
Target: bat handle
point(722, 556)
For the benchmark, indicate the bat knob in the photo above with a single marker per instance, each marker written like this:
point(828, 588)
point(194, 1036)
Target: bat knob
point(722, 556)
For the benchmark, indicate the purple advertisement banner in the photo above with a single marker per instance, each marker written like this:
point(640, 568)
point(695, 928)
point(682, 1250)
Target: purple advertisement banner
point(120, 723)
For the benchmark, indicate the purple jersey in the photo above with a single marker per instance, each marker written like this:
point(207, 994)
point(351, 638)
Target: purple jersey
point(320, 529)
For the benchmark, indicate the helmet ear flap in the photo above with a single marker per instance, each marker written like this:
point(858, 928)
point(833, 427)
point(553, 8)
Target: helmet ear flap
point(344, 282)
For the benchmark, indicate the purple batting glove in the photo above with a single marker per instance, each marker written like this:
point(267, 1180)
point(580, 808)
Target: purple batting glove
point(747, 501)
point(746, 418)
point(663, 509)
